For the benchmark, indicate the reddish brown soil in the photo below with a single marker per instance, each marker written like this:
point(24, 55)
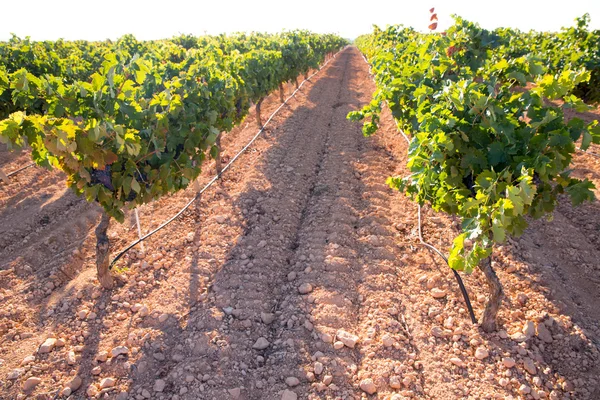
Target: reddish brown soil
point(305, 210)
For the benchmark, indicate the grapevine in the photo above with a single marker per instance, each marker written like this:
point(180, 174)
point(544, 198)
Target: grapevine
point(140, 124)
point(484, 144)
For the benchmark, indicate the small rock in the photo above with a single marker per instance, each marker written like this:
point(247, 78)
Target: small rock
point(30, 383)
point(338, 345)
point(529, 329)
point(437, 332)
point(481, 353)
point(102, 356)
point(71, 358)
point(107, 383)
point(347, 338)
point(367, 385)
point(163, 317)
point(92, 391)
point(74, 383)
point(261, 344)
point(524, 389)
point(136, 307)
point(458, 362)
point(66, 391)
point(508, 362)
point(529, 366)
point(119, 350)
point(220, 219)
point(228, 310)
point(47, 346)
point(327, 379)
point(15, 374)
point(544, 334)
point(159, 385)
point(292, 381)
point(291, 276)
point(28, 360)
point(395, 382)
point(519, 337)
point(387, 340)
point(144, 311)
point(267, 318)
point(438, 293)
point(289, 395)
point(305, 288)
point(326, 337)
point(96, 370)
point(318, 368)
point(522, 298)
point(235, 392)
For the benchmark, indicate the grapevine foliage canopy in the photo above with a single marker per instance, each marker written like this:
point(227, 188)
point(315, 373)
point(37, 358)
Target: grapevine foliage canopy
point(131, 121)
point(486, 144)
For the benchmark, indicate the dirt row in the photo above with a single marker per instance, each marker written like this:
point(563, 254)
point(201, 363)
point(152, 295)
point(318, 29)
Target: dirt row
point(298, 276)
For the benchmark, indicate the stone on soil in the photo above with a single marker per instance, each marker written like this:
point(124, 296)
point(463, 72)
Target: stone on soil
point(529, 366)
point(508, 362)
point(318, 368)
point(367, 385)
point(457, 361)
point(15, 373)
point(544, 334)
point(159, 385)
point(481, 353)
point(347, 338)
point(292, 381)
point(438, 293)
point(47, 346)
point(289, 395)
point(119, 350)
point(305, 288)
point(30, 383)
point(267, 318)
point(107, 383)
point(74, 383)
point(261, 344)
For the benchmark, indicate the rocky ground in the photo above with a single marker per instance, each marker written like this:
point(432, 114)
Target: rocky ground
point(298, 276)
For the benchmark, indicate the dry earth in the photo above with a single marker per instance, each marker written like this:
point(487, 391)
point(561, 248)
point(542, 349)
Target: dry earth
point(298, 276)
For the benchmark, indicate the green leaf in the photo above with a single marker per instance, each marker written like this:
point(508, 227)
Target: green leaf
point(135, 186)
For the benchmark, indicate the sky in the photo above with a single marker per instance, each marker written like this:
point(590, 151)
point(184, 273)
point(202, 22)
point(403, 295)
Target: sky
point(149, 19)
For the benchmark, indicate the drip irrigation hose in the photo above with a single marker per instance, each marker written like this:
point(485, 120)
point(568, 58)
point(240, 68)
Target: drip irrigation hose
point(459, 280)
point(216, 177)
point(20, 169)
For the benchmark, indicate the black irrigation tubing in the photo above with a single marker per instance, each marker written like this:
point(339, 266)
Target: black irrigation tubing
point(459, 280)
point(20, 169)
point(463, 289)
point(216, 177)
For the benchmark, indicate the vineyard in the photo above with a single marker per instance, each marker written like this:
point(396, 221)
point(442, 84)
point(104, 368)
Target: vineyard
point(280, 258)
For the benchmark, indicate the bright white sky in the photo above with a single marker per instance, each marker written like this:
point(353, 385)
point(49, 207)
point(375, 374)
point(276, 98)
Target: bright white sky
point(148, 19)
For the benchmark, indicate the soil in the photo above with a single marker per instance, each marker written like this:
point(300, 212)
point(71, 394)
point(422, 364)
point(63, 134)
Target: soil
point(298, 275)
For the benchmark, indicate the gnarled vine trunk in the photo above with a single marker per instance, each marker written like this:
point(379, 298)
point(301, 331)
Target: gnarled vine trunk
point(488, 319)
point(102, 252)
point(258, 119)
point(281, 93)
